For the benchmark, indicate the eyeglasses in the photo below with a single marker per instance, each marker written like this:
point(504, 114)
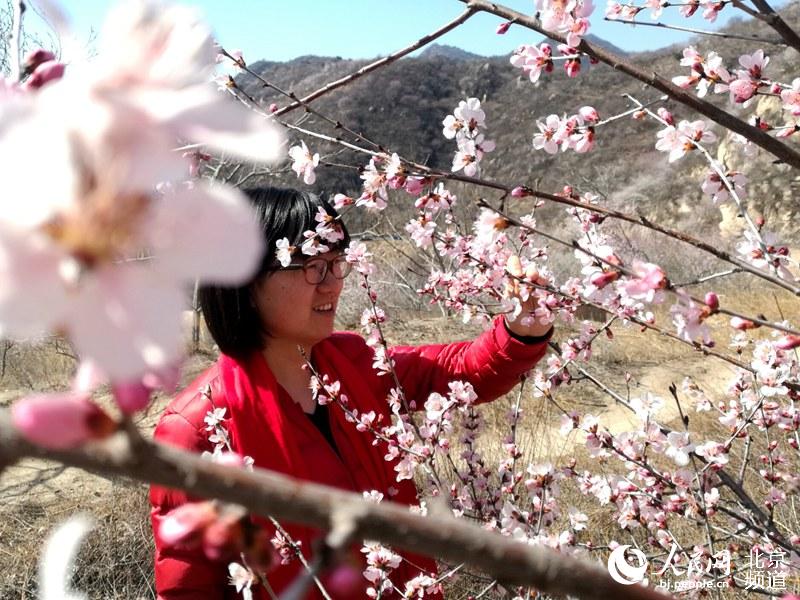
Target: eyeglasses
point(315, 269)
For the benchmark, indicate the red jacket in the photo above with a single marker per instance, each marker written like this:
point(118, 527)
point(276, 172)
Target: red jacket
point(492, 363)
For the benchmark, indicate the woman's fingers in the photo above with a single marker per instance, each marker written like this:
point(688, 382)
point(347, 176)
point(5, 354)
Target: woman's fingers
point(530, 274)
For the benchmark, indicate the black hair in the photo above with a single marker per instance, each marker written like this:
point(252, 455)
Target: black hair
point(229, 312)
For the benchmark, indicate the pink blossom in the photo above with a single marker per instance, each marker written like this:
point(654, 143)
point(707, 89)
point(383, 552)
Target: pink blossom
point(689, 8)
point(313, 244)
point(712, 9)
point(533, 60)
point(679, 447)
point(688, 318)
point(648, 279)
point(613, 10)
point(547, 130)
point(755, 63)
point(283, 252)
point(60, 421)
point(670, 140)
point(421, 231)
point(713, 452)
point(714, 186)
point(304, 162)
point(107, 132)
point(656, 7)
point(742, 90)
point(414, 185)
point(357, 254)
point(469, 111)
point(791, 98)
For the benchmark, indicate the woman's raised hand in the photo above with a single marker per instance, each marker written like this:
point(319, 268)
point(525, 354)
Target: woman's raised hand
point(526, 323)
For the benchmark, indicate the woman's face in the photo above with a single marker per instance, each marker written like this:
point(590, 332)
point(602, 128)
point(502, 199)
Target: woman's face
point(295, 311)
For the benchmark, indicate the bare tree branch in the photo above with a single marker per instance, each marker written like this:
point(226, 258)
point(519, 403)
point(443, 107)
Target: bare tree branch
point(775, 147)
point(271, 494)
point(775, 21)
point(730, 36)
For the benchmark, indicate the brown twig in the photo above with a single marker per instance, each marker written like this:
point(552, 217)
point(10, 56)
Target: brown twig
point(775, 147)
point(267, 493)
point(730, 36)
point(378, 63)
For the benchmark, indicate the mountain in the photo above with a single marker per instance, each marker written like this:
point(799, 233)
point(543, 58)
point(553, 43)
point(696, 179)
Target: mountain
point(444, 51)
point(401, 108)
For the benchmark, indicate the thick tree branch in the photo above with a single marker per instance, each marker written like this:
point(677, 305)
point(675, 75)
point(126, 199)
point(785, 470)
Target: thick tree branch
point(775, 21)
point(378, 63)
point(271, 494)
point(775, 147)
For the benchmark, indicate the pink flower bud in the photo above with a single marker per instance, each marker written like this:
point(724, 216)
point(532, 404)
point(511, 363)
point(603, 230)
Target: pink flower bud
point(666, 115)
point(743, 324)
point(788, 342)
point(273, 108)
point(35, 58)
point(572, 67)
point(184, 526)
point(165, 378)
point(589, 114)
point(639, 115)
point(44, 74)
point(603, 278)
point(344, 581)
point(520, 192)
point(131, 397)
point(414, 185)
point(712, 301)
point(503, 27)
point(760, 221)
point(60, 421)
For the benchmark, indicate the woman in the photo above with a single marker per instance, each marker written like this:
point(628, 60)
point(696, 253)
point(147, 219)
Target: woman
point(271, 413)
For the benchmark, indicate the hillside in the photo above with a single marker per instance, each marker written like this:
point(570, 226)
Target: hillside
point(402, 107)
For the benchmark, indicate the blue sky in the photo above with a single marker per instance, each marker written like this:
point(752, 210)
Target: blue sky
point(284, 29)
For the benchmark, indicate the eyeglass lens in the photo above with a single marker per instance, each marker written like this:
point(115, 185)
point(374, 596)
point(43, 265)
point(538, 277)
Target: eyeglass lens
point(316, 269)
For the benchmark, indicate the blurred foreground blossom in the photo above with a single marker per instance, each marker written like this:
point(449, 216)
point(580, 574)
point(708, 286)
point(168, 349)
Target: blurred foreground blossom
point(82, 157)
point(56, 565)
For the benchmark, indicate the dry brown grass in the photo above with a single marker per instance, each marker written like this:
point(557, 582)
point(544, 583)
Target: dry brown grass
point(116, 560)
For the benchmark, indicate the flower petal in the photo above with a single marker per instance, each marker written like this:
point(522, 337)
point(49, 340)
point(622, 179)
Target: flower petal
point(33, 298)
point(208, 232)
point(127, 320)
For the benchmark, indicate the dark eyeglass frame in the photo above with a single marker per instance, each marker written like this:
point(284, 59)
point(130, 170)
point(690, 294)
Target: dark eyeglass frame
point(312, 275)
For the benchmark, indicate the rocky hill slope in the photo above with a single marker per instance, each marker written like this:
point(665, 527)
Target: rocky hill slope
point(402, 107)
